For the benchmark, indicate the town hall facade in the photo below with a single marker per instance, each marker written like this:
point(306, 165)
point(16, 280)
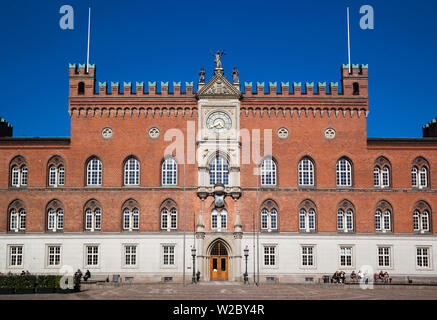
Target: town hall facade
point(284, 173)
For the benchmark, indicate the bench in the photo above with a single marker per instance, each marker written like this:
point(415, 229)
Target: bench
point(95, 279)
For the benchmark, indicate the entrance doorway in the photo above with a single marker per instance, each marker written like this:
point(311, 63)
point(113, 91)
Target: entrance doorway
point(219, 262)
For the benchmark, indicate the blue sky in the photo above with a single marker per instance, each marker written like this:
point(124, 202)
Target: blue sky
point(170, 40)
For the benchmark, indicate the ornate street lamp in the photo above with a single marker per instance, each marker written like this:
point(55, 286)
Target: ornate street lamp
point(193, 253)
point(246, 276)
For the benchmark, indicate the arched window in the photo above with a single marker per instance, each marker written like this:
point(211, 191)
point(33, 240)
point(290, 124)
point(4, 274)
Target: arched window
point(219, 220)
point(131, 215)
point(419, 173)
point(131, 172)
point(345, 217)
point(306, 172)
point(383, 216)
point(56, 172)
point(268, 172)
point(219, 171)
point(81, 88)
point(422, 217)
point(93, 216)
point(356, 88)
point(55, 216)
point(17, 216)
point(169, 215)
point(169, 172)
point(94, 172)
point(344, 173)
point(381, 173)
point(19, 172)
point(307, 216)
point(269, 216)
point(131, 219)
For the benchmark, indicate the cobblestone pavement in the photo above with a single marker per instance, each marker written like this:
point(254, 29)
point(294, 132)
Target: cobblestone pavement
point(232, 291)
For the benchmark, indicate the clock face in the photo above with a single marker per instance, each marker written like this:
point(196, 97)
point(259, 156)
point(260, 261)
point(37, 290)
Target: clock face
point(219, 122)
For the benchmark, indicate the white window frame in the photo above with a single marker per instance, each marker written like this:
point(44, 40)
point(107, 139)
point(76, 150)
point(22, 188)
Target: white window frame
point(94, 168)
point(19, 176)
point(94, 214)
point(268, 173)
point(58, 219)
point(54, 245)
point(131, 166)
point(389, 255)
point(129, 218)
point(305, 214)
point(92, 266)
point(313, 255)
point(124, 255)
point(306, 172)
point(19, 217)
point(16, 266)
point(219, 171)
point(352, 255)
point(268, 215)
point(420, 216)
point(382, 220)
point(162, 253)
point(419, 177)
point(55, 173)
point(275, 255)
point(345, 215)
point(170, 222)
point(344, 173)
point(169, 172)
point(429, 256)
point(220, 222)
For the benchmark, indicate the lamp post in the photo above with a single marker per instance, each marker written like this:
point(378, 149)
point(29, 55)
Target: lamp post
point(193, 253)
point(246, 254)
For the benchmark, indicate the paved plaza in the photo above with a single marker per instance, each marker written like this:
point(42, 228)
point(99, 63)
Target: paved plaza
point(234, 291)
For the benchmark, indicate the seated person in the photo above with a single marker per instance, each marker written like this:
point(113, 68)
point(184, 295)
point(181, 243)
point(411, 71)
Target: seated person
point(342, 277)
point(335, 277)
point(354, 276)
point(381, 275)
point(387, 278)
point(87, 275)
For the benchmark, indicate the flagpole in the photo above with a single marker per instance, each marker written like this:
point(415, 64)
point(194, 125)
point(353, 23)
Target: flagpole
point(88, 46)
point(348, 42)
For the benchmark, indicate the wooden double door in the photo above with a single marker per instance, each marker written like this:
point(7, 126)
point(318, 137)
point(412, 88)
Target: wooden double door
point(219, 263)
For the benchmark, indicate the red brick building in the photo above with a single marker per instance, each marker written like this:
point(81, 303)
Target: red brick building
point(316, 196)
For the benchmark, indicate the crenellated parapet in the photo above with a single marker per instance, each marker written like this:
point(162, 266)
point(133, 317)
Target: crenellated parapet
point(83, 84)
point(353, 84)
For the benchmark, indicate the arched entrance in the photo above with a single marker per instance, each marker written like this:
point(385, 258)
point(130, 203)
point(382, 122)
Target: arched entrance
point(219, 263)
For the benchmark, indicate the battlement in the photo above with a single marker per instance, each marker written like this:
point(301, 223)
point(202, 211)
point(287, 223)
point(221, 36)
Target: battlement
point(430, 129)
point(354, 84)
point(6, 128)
point(80, 70)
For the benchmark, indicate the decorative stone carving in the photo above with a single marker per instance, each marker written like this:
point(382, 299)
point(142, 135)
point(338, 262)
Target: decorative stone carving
point(330, 133)
point(154, 133)
point(107, 133)
point(283, 133)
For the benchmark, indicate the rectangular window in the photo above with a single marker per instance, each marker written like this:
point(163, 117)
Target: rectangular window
point(92, 255)
point(130, 254)
point(54, 255)
point(269, 255)
point(384, 257)
point(346, 256)
point(422, 257)
point(16, 256)
point(308, 256)
point(168, 258)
